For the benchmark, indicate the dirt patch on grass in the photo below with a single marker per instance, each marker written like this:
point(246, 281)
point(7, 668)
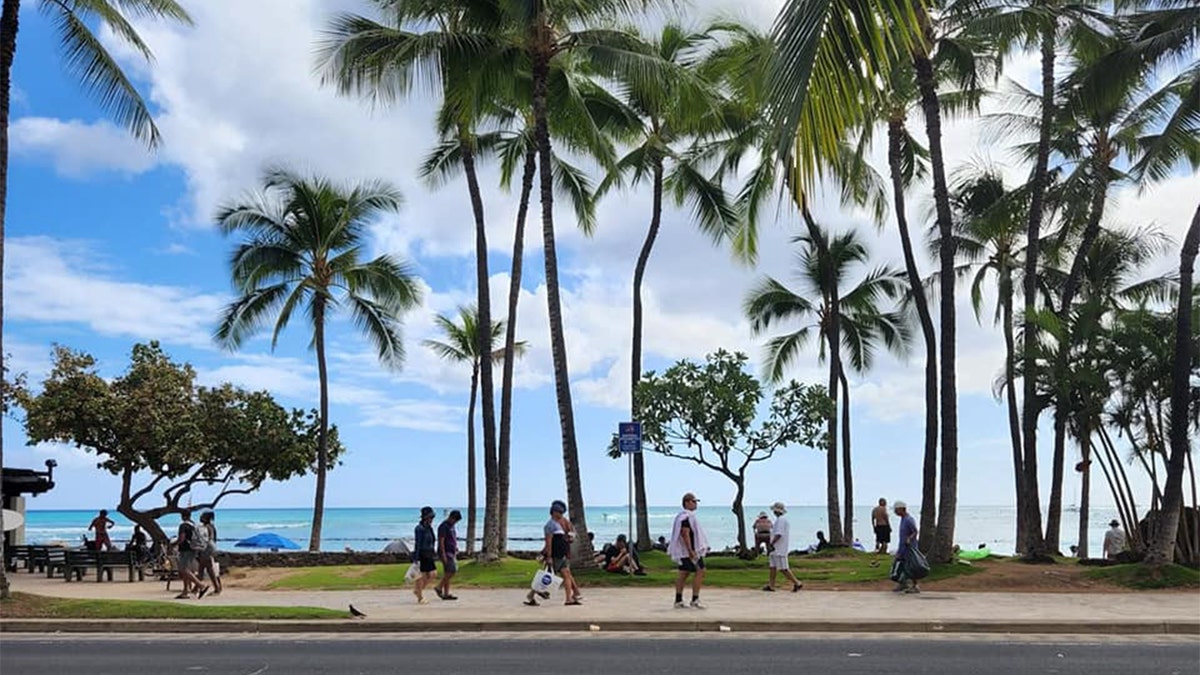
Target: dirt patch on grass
point(255, 578)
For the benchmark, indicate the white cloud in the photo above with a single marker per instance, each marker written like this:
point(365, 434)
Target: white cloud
point(78, 149)
point(63, 282)
point(415, 414)
point(67, 456)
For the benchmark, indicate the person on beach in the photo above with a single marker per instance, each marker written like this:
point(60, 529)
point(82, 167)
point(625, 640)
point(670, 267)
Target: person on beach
point(424, 553)
point(557, 550)
point(1114, 541)
point(447, 550)
point(137, 544)
point(762, 533)
point(100, 524)
point(821, 545)
point(185, 542)
point(206, 543)
point(907, 539)
point(778, 549)
point(688, 547)
point(882, 526)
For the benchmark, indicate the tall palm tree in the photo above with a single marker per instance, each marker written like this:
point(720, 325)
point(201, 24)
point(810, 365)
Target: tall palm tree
point(863, 327)
point(303, 249)
point(548, 30)
point(97, 70)
point(662, 153)
point(454, 45)
point(461, 345)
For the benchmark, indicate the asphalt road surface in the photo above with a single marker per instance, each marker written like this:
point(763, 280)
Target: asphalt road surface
point(523, 655)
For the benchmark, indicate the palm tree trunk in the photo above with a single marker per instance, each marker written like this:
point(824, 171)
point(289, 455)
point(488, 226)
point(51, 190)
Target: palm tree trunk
point(8, 50)
point(830, 334)
point(1162, 549)
point(1085, 493)
point(639, 272)
point(947, 509)
point(917, 289)
point(847, 475)
point(1129, 516)
point(581, 553)
point(1090, 231)
point(472, 505)
point(510, 342)
point(491, 514)
point(314, 537)
point(1035, 544)
point(1010, 395)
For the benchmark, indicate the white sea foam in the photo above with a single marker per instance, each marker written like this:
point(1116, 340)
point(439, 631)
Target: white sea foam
point(276, 526)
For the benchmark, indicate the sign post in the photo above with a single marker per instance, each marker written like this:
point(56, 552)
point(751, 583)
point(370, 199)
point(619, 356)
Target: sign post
point(629, 440)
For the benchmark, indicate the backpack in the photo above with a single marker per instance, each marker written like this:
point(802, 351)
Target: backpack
point(199, 539)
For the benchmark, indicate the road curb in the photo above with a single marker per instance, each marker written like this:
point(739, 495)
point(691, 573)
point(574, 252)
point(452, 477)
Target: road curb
point(1033, 627)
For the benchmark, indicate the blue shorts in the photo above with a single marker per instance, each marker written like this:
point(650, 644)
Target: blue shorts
point(449, 564)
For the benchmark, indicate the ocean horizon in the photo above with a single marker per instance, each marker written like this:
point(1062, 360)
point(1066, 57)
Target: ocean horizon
point(372, 528)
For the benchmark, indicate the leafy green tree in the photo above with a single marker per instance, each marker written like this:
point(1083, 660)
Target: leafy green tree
point(158, 431)
point(863, 327)
point(662, 154)
point(461, 346)
point(706, 413)
point(97, 70)
point(303, 249)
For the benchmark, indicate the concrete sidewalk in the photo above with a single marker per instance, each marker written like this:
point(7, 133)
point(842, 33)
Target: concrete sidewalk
point(652, 610)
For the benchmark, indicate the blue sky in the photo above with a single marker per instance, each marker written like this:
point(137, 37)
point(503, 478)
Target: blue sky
point(109, 245)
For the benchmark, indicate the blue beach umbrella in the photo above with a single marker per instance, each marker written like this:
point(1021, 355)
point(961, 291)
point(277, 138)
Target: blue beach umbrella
point(268, 540)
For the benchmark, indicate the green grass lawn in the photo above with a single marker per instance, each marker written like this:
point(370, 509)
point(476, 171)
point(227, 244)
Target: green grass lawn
point(28, 606)
point(1140, 577)
point(839, 567)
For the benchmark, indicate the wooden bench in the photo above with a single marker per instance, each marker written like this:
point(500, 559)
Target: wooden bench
point(38, 558)
point(104, 562)
point(56, 561)
point(12, 554)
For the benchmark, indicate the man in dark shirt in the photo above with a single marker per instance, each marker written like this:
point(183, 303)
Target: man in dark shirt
point(447, 548)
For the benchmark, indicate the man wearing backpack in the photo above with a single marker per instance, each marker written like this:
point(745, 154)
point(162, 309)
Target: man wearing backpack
point(187, 543)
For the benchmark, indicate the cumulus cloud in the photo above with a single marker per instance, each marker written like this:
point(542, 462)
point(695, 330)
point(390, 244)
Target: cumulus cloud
point(79, 149)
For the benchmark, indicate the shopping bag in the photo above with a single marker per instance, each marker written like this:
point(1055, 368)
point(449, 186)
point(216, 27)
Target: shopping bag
point(414, 571)
point(915, 564)
point(545, 581)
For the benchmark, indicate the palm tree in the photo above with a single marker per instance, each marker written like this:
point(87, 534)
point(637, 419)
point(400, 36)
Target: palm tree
point(98, 71)
point(863, 326)
point(455, 45)
point(304, 241)
point(547, 30)
point(671, 122)
point(462, 346)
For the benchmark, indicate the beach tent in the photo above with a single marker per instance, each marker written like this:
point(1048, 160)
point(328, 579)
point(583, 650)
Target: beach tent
point(398, 546)
point(268, 540)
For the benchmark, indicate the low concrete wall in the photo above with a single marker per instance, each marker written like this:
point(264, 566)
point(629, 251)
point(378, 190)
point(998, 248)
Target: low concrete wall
point(231, 559)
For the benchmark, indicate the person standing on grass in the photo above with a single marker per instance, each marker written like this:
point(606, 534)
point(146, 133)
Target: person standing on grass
point(778, 549)
point(206, 557)
point(907, 539)
point(1114, 541)
point(882, 526)
point(424, 553)
point(100, 524)
point(688, 547)
point(185, 543)
point(447, 550)
point(557, 550)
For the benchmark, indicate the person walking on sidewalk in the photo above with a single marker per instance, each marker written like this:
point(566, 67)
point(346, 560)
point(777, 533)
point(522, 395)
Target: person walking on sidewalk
point(778, 549)
point(557, 549)
point(186, 542)
point(447, 549)
point(688, 547)
point(424, 553)
point(907, 540)
point(882, 526)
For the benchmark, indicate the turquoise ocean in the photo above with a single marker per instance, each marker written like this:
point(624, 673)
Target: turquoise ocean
point(370, 529)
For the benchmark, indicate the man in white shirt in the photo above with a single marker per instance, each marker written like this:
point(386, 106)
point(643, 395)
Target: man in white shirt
point(688, 547)
point(1114, 541)
point(778, 549)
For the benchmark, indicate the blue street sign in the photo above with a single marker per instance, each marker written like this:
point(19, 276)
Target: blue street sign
point(629, 437)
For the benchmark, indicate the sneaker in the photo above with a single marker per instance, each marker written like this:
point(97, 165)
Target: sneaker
point(900, 588)
point(914, 589)
point(545, 595)
point(796, 588)
point(696, 604)
point(679, 605)
point(768, 589)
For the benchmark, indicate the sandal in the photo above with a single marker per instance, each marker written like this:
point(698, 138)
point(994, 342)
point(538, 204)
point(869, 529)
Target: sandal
point(768, 589)
point(532, 603)
point(573, 602)
point(183, 596)
point(202, 592)
point(797, 587)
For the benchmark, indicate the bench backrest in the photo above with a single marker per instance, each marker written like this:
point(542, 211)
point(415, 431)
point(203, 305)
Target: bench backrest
point(81, 558)
point(115, 557)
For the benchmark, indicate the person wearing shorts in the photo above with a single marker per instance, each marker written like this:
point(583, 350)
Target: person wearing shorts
point(425, 553)
point(882, 526)
point(447, 548)
point(688, 547)
point(185, 544)
point(557, 550)
point(778, 549)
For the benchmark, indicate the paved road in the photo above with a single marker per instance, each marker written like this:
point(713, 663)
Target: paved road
point(716, 655)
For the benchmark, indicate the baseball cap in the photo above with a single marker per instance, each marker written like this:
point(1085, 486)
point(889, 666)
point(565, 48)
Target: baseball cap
point(899, 505)
point(778, 506)
point(689, 497)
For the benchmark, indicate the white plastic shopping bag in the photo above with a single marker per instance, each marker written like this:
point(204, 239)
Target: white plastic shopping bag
point(545, 581)
point(414, 571)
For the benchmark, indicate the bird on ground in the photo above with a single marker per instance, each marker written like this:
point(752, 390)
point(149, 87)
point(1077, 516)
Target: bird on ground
point(356, 614)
